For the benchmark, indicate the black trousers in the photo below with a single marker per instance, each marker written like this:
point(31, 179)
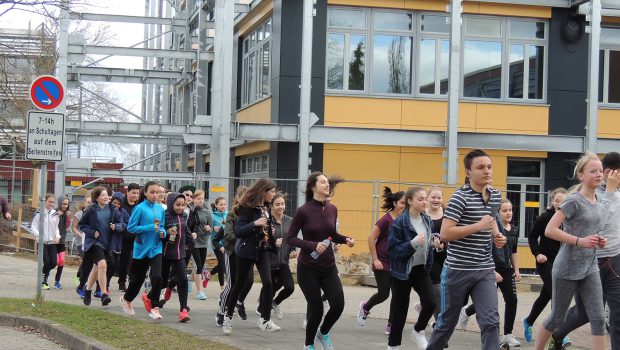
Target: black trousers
point(384, 281)
point(230, 264)
point(421, 282)
point(508, 287)
point(50, 259)
point(112, 260)
point(544, 271)
point(138, 275)
point(312, 281)
point(173, 275)
point(124, 262)
point(282, 277)
point(198, 255)
point(219, 268)
point(244, 267)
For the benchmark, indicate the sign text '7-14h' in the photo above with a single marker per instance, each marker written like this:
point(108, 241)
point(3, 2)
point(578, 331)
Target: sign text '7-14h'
point(45, 136)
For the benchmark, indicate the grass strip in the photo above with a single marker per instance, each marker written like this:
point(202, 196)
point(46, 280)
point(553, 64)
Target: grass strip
point(118, 331)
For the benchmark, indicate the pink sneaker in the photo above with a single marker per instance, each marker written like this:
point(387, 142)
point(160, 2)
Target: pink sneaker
point(127, 306)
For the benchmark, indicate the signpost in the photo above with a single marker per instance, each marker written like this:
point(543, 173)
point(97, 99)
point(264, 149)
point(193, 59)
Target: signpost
point(44, 142)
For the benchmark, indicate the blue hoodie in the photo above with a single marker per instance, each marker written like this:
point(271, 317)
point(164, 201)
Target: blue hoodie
point(141, 223)
point(117, 240)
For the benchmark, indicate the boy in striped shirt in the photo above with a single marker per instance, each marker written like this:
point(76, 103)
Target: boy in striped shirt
point(469, 225)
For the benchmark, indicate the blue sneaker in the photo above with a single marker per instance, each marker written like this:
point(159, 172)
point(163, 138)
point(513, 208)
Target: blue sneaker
point(309, 347)
point(566, 342)
point(527, 330)
point(98, 294)
point(325, 340)
point(57, 285)
point(80, 292)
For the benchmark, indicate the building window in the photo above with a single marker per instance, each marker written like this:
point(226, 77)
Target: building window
point(254, 166)
point(381, 52)
point(256, 70)
point(609, 69)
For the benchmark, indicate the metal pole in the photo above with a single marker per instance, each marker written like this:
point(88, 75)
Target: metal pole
point(304, 100)
point(454, 90)
point(222, 96)
point(593, 75)
point(13, 172)
point(61, 71)
point(42, 190)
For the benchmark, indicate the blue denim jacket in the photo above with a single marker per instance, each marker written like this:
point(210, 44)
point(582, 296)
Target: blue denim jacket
point(399, 244)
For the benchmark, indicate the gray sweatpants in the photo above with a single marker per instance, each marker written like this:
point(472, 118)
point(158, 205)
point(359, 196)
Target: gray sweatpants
point(456, 286)
point(591, 293)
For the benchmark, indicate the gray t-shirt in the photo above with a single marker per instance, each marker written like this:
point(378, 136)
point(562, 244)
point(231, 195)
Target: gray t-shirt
point(419, 256)
point(610, 227)
point(582, 219)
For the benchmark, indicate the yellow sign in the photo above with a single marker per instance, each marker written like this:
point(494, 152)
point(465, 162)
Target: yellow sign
point(532, 204)
point(218, 189)
point(76, 183)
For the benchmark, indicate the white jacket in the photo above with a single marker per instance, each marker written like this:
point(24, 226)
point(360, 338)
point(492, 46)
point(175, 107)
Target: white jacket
point(50, 224)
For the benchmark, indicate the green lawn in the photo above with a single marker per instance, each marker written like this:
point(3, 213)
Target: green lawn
point(118, 331)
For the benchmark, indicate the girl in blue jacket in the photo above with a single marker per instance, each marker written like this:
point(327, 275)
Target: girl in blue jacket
point(411, 257)
point(219, 214)
point(147, 222)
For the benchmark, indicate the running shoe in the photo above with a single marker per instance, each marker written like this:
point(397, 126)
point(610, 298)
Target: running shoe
point(167, 294)
point(98, 294)
point(122, 287)
point(362, 314)
point(463, 319)
point(155, 314)
point(277, 311)
point(57, 285)
point(227, 325)
point(201, 296)
point(552, 345)
point(268, 326)
point(510, 340)
point(45, 286)
point(219, 319)
point(87, 297)
point(206, 276)
point(127, 306)
point(388, 329)
point(393, 347)
point(325, 340)
point(147, 303)
point(241, 311)
point(419, 339)
point(183, 316)
point(309, 347)
point(105, 300)
point(80, 292)
point(527, 330)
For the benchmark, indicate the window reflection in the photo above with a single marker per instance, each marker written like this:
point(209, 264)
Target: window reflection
point(483, 26)
point(537, 68)
point(614, 76)
point(393, 21)
point(527, 29)
point(335, 61)
point(426, 75)
point(482, 69)
point(515, 72)
point(444, 68)
point(434, 24)
point(265, 71)
point(357, 62)
point(391, 64)
point(353, 19)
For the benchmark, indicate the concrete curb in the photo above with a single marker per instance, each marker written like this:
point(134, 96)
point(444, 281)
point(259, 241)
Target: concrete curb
point(58, 333)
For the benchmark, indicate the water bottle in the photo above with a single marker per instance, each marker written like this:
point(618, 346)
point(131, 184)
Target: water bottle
point(315, 254)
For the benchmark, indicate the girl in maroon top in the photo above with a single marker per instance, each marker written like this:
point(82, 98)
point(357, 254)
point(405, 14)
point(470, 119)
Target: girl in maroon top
point(393, 204)
point(317, 221)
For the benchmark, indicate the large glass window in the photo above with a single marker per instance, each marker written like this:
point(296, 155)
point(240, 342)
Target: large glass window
point(609, 73)
point(256, 70)
point(378, 52)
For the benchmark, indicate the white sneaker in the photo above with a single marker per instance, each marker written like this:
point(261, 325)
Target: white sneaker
point(417, 307)
point(510, 340)
point(362, 314)
point(277, 311)
point(155, 314)
point(305, 324)
point(127, 306)
point(463, 319)
point(227, 326)
point(268, 326)
point(419, 339)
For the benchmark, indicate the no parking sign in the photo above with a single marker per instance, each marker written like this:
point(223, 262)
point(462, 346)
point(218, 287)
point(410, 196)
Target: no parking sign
point(46, 92)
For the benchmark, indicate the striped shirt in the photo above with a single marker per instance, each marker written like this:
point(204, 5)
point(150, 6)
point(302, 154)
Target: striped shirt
point(467, 207)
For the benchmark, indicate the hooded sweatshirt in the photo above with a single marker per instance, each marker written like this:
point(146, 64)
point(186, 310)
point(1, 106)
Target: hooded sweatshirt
point(97, 219)
point(50, 224)
point(175, 250)
point(117, 240)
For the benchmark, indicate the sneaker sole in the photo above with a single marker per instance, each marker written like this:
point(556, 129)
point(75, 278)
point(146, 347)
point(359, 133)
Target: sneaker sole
point(185, 319)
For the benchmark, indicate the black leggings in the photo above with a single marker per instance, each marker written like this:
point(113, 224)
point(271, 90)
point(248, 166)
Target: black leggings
point(50, 259)
point(421, 282)
point(509, 292)
point(199, 255)
point(312, 281)
point(60, 251)
point(138, 275)
point(112, 260)
point(219, 268)
point(244, 267)
point(282, 277)
point(544, 270)
point(230, 263)
point(124, 263)
point(173, 274)
point(383, 279)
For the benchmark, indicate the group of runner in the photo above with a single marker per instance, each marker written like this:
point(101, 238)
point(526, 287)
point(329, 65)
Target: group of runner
point(448, 254)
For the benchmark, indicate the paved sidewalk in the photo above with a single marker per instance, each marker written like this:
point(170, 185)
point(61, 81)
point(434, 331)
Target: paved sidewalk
point(19, 279)
point(11, 338)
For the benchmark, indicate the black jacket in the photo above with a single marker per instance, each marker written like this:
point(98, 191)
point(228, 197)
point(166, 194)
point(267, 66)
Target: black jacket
point(281, 229)
point(249, 236)
point(175, 250)
point(129, 237)
point(546, 246)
